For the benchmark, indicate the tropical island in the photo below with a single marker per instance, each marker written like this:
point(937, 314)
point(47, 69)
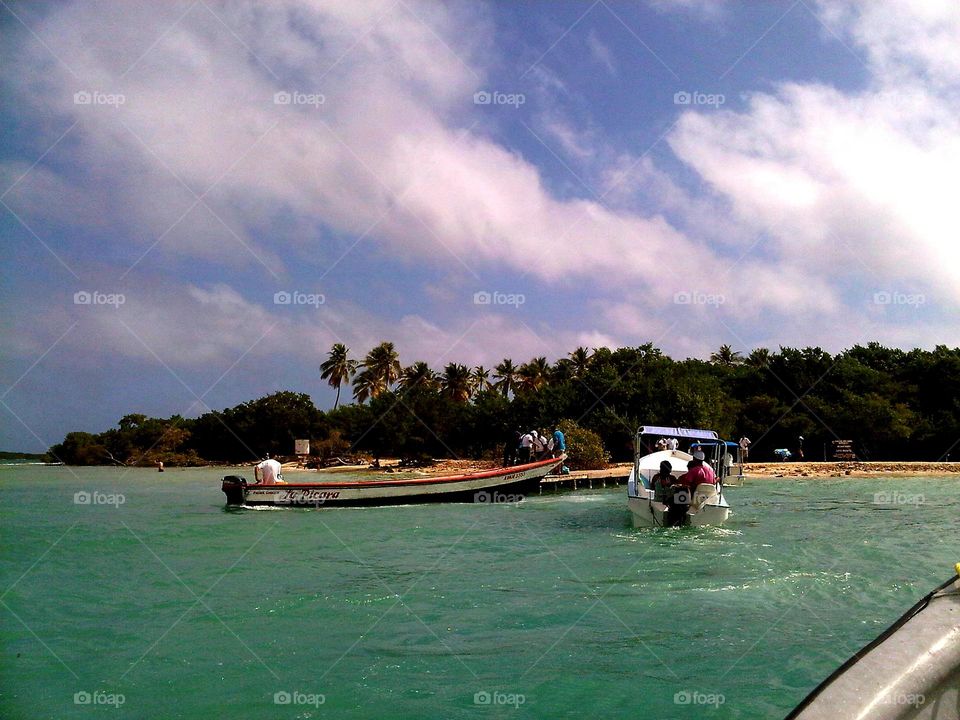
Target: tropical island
point(891, 404)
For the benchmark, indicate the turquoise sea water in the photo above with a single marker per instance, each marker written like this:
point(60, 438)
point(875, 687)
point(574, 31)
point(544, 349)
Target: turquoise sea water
point(554, 607)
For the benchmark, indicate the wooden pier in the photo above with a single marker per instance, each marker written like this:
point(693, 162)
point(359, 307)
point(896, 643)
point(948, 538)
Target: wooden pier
point(590, 479)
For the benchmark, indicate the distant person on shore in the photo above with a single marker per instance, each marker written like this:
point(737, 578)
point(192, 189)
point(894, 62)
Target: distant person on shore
point(526, 445)
point(744, 444)
point(800, 448)
point(662, 482)
point(159, 465)
point(559, 443)
point(267, 472)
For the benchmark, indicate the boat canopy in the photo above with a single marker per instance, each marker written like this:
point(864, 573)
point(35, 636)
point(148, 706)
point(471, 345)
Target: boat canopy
point(678, 432)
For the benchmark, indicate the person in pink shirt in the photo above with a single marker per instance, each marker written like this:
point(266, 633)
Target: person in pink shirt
point(698, 472)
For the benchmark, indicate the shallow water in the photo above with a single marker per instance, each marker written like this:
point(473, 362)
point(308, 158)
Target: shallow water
point(555, 607)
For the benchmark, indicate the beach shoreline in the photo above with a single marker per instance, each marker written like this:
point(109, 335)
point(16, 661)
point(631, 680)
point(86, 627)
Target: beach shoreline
point(760, 471)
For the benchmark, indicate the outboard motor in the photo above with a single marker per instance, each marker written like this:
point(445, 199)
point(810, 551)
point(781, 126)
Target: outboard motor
point(678, 502)
point(233, 487)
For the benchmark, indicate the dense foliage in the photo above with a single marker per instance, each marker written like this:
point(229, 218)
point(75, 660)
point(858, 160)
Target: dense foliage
point(893, 405)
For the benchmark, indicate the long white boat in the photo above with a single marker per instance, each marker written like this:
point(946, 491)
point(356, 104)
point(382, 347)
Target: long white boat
point(703, 505)
point(912, 670)
point(506, 484)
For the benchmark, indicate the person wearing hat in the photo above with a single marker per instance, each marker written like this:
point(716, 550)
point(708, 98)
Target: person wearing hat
point(662, 482)
point(698, 472)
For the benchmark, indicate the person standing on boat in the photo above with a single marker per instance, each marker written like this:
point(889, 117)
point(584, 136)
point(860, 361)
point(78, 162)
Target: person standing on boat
point(672, 444)
point(526, 445)
point(538, 445)
point(559, 443)
point(662, 444)
point(267, 472)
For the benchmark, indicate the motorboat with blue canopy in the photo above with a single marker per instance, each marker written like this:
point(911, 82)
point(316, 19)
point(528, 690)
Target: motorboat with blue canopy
point(679, 504)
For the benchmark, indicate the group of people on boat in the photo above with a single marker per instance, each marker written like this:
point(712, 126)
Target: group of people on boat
point(521, 447)
point(699, 472)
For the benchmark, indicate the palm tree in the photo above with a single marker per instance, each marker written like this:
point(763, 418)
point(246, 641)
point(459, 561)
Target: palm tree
point(726, 356)
point(562, 370)
point(759, 358)
point(456, 382)
point(580, 358)
point(338, 368)
point(480, 380)
point(381, 369)
point(365, 386)
point(534, 374)
point(418, 375)
point(506, 376)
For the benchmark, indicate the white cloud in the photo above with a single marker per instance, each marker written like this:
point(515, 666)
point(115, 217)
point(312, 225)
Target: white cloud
point(601, 52)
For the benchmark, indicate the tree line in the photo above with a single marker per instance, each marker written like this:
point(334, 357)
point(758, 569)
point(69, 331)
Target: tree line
point(893, 404)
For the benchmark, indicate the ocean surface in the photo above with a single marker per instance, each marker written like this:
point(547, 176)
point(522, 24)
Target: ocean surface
point(129, 594)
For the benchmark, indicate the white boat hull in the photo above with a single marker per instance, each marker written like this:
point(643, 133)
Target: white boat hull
point(647, 512)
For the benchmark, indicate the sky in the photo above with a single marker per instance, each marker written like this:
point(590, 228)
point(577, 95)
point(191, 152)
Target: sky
point(198, 198)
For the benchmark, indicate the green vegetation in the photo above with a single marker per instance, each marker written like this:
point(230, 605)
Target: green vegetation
point(893, 404)
point(21, 456)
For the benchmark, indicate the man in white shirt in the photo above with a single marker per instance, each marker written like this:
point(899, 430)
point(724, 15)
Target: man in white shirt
point(526, 445)
point(672, 444)
point(268, 472)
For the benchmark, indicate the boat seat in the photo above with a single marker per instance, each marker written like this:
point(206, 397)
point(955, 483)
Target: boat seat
point(701, 495)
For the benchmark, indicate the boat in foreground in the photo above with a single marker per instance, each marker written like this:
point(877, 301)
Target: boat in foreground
point(507, 484)
point(910, 671)
point(703, 505)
